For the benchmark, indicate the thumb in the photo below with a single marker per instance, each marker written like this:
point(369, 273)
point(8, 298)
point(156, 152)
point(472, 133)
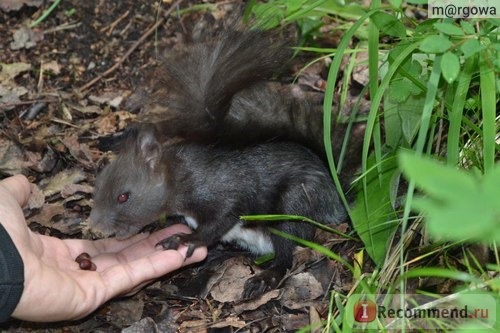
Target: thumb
point(18, 187)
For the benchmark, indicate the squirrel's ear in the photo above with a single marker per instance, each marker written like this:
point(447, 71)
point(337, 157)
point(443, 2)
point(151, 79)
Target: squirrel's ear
point(149, 148)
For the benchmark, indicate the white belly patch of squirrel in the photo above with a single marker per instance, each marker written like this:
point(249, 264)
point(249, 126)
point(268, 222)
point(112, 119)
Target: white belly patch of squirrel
point(248, 146)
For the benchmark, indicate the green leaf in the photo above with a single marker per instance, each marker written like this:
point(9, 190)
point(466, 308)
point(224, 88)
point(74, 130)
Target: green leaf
point(399, 90)
point(489, 108)
point(470, 47)
point(457, 205)
point(450, 66)
point(435, 44)
point(352, 11)
point(294, 5)
point(439, 272)
point(319, 248)
point(389, 25)
point(457, 110)
point(449, 29)
point(486, 301)
point(458, 220)
point(268, 15)
point(410, 113)
point(425, 28)
point(304, 10)
point(403, 107)
point(396, 3)
point(468, 27)
point(435, 179)
point(494, 21)
point(400, 98)
point(374, 221)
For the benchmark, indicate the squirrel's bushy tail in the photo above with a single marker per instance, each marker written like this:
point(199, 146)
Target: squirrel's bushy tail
point(220, 91)
point(193, 87)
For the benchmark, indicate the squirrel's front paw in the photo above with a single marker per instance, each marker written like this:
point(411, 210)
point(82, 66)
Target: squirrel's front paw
point(173, 242)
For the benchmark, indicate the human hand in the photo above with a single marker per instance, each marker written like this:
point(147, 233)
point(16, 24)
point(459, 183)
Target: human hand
point(56, 288)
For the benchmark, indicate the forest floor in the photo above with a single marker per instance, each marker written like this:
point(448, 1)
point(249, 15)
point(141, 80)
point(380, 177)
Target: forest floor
point(63, 87)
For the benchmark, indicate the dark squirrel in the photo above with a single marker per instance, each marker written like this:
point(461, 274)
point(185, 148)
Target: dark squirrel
point(246, 150)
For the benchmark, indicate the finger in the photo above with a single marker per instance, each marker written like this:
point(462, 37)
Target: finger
point(198, 255)
point(105, 261)
point(141, 246)
point(160, 235)
point(19, 187)
point(102, 246)
point(121, 279)
point(144, 248)
point(135, 247)
point(113, 245)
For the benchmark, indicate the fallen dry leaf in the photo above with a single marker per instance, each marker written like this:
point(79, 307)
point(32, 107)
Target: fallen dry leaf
point(12, 158)
point(80, 151)
point(48, 212)
point(292, 322)
point(113, 99)
point(315, 320)
point(69, 223)
point(46, 163)
point(84, 202)
point(311, 76)
point(146, 324)
point(9, 71)
point(106, 124)
point(25, 37)
point(231, 321)
point(124, 118)
point(256, 303)
point(113, 122)
point(70, 189)
point(37, 198)
point(51, 67)
point(126, 312)
point(198, 326)
point(360, 72)
point(62, 179)
point(9, 90)
point(13, 5)
point(9, 96)
point(299, 290)
point(89, 109)
point(228, 287)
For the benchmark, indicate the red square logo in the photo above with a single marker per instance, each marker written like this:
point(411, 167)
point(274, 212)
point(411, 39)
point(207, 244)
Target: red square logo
point(365, 311)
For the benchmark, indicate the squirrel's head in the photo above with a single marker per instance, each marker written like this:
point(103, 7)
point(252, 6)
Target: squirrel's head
point(130, 192)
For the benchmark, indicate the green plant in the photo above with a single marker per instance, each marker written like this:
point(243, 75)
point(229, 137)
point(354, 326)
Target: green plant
point(434, 93)
point(458, 205)
point(45, 14)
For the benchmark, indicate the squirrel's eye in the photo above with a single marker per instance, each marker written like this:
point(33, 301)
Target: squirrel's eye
point(122, 198)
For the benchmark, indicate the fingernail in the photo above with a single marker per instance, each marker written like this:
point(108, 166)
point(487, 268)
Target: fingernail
point(183, 251)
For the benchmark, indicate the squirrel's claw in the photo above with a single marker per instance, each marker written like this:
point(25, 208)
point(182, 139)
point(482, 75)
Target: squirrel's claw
point(173, 242)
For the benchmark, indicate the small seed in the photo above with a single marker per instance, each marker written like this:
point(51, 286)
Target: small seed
point(87, 265)
point(83, 256)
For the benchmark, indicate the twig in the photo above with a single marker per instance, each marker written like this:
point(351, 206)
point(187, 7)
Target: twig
point(30, 102)
point(60, 121)
point(61, 27)
point(131, 50)
point(112, 26)
point(123, 58)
